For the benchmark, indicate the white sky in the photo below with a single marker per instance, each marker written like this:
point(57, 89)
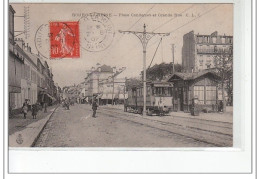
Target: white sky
point(126, 50)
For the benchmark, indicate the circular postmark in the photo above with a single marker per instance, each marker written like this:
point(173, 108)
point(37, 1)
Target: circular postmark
point(42, 40)
point(96, 31)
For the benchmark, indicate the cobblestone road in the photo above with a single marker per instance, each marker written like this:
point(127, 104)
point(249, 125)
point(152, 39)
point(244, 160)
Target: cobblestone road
point(76, 128)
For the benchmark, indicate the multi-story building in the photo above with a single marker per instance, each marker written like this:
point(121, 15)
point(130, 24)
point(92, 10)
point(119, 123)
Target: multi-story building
point(15, 65)
point(199, 51)
point(29, 73)
point(29, 77)
point(36, 78)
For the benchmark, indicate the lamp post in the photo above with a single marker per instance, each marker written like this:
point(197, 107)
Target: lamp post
point(144, 37)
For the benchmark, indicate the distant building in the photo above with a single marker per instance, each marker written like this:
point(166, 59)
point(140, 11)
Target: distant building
point(103, 82)
point(198, 51)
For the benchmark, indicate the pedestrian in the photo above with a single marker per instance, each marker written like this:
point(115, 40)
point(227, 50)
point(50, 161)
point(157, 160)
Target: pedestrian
point(67, 103)
point(220, 106)
point(34, 110)
point(161, 106)
point(45, 107)
point(125, 105)
point(94, 107)
point(25, 108)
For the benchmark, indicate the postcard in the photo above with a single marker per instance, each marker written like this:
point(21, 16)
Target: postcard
point(121, 76)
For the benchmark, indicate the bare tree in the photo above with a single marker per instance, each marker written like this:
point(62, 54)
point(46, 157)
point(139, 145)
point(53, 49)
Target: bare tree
point(224, 68)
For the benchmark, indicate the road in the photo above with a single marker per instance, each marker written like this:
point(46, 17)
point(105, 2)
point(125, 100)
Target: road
point(114, 128)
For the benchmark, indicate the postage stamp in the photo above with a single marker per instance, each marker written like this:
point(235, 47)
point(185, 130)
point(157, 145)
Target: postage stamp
point(64, 40)
point(97, 32)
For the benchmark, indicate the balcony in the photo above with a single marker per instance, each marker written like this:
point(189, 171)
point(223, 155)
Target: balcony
point(213, 51)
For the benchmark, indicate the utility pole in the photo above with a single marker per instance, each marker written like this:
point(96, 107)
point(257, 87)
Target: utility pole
point(113, 80)
point(144, 37)
point(173, 59)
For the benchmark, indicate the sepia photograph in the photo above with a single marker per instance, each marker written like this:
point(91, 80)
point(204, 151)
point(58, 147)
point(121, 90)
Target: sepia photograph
point(120, 75)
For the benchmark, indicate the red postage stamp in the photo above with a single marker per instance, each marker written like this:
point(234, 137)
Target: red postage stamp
point(64, 40)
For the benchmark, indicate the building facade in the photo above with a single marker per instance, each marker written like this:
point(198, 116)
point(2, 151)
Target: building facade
point(199, 51)
point(15, 65)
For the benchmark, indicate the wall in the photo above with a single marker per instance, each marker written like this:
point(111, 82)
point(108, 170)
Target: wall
point(188, 51)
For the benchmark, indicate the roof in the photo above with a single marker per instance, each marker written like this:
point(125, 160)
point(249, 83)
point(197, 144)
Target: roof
point(192, 76)
point(33, 57)
point(105, 68)
point(152, 83)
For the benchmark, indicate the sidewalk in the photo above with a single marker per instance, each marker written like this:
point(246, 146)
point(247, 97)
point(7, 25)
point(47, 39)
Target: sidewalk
point(219, 117)
point(22, 132)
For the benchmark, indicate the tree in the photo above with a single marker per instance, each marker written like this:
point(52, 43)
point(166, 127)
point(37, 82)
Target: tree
point(160, 71)
point(131, 82)
point(224, 68)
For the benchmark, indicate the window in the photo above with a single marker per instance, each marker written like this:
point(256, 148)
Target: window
point(199, 92)
point(211, 95)
point(148, 90)
point(223, 40)
point(200, 39)
point(214, 39)
point(170, 91)
point(215, 48)
point(205, 40)
point(201, 62)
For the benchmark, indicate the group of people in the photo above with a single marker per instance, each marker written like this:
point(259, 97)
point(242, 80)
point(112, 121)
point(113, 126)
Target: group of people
point(34, 108)
point(66, 103)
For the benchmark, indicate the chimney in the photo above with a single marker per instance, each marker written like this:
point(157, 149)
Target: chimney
point(173, 59)
point(23, 44)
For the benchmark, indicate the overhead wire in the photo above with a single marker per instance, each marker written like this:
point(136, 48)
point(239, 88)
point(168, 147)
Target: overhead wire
point(173, 18)
point(161, 26)
point(116, 42)
point(154, 54)
point(181, 25)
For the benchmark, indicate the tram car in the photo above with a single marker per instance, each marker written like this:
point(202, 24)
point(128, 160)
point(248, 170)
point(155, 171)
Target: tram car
point(158, 100)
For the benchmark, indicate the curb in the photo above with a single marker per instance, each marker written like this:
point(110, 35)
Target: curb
point(37, 137)
point(192, 117)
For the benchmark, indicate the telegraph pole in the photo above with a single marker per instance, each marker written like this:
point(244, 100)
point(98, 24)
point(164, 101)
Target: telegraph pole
point(144, 37)
point(173, 59)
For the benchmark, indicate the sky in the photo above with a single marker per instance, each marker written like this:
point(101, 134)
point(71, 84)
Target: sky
point(125, 50)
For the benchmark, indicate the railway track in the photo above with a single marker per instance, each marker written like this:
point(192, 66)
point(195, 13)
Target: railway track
point(212, 132)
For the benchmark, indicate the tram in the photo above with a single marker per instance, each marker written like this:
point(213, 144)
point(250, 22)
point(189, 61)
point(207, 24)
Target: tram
point(158, 100)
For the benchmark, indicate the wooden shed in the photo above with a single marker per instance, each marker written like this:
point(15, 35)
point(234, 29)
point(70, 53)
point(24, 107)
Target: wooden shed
point(203, 85)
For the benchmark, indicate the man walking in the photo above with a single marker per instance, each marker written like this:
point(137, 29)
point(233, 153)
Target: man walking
point(94, 107)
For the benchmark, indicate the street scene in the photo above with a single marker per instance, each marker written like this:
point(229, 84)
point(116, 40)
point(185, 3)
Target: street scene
point(114, 75)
